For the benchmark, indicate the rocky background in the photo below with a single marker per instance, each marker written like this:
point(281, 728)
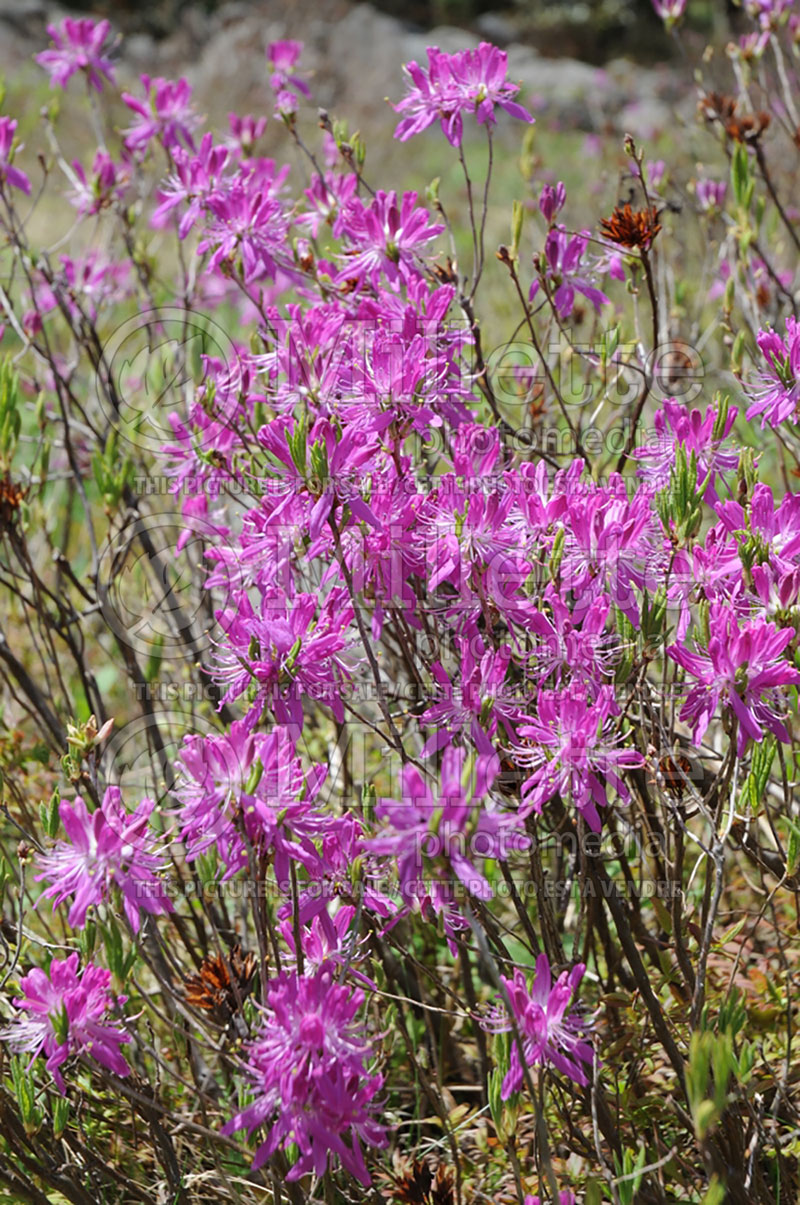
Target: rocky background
point(355, 52)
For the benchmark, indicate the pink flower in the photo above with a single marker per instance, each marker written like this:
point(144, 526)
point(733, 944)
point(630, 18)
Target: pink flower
point(65, 1015)
point(195, 179)
point(106, 183)
point(564, 649)
point(329, 197)
point(8, 173)
point(767, 12)
point(675, 425)
point(309, 1065)
point(469, 81)
point(550, 1034)
point(474, 701)
point(561, 272)
point(573, 750)
point(656, 170)
point(245, 132)
point(242, 790)
point(106, 848)
point(282, 57)
point(763, 284)
point(610, 546)
point(341, 845)
point(710, 195)
point(776, 529)
point(744, 669)
point(77, 46)
point(778, 400)
point(332, 945)
point(247, 221)
point(551, 201)
point(286, 105)
point(166, 113)
point(669, 11)
point(565, 1197)
point(385, 237)
point(286, 648)
point(82, 286)
point(443, 834)
point(778, 591)
point(336, 467)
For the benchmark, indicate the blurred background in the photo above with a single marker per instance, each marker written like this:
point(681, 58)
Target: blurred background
point(592, 30)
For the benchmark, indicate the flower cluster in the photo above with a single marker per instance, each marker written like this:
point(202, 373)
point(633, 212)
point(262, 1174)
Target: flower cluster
point(78, 46)
point(510, 622)
point(311, 1079)
point(550, 1032)
point(8, 173)
point(105, 848)
point(471, 81)
point(65, 1014)
point(777, 400)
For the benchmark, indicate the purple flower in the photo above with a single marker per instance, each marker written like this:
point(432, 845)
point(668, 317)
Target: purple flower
point(675, 425)
point(763, 283)
point(777, 590)
point(286, 105)
point(77, 46)
point(778, 400)
point(708, 571)
point(245, 132)
point(550, 1034)
point(335, 469)
point(470, 81)
point(475, 701)
point(561, 647)
point(313, 1087)
point(8, 173)
point(560, 269)
point(195, 179)
point(166, 113)
point(744, 669)
point(767, 12)
point(443, 833)
point(775, 529)
point(64, 1015)
point(573, 750)
point(286, 648)
point(471, 544)
point(329, 196)
point(83, 285)
point(247, 220)
point(565, 1197)
point(342, 844)
point(243, 789)
point(331, 943)
point(106, 184)
point(106, 848)
point(656, 170)
point(385, 237)
point(282, 57)
point(609, 547)
point(669, 11)
point(551, 201)
point(751, 46)
point(710, 195)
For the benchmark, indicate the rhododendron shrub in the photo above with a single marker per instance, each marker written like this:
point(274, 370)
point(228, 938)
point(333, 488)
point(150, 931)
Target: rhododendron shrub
point(399, 646)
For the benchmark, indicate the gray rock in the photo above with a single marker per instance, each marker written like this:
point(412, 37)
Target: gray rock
point(497, 28)
point(368, 50)
point(231, 68)
point(357, 60)
point(644, 117)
